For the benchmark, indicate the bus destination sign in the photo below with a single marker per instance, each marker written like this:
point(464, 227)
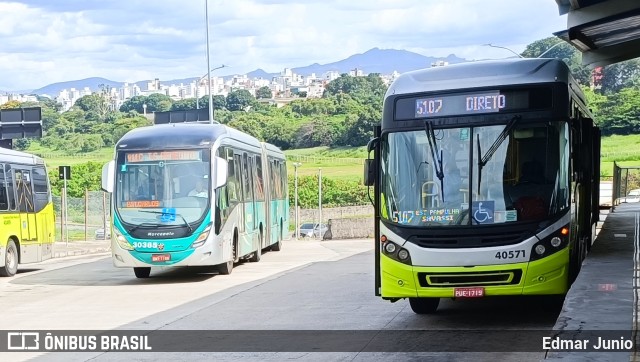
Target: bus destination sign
point(181, 155)
point(460, 104)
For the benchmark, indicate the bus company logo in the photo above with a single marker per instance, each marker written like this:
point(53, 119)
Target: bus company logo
point(160, 247)
point(166, 233)
point(23, 341)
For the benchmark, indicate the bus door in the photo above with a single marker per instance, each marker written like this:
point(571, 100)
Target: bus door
point(24, 192)
point(239, 185)
point(247, 188)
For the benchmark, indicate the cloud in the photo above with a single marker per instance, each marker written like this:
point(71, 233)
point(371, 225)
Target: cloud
point(127, 40)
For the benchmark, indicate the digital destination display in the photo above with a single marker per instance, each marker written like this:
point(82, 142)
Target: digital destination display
point(460, 104)
point(181, 155)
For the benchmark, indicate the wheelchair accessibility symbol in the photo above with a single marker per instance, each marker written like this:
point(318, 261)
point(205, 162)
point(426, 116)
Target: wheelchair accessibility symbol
point(482, 211)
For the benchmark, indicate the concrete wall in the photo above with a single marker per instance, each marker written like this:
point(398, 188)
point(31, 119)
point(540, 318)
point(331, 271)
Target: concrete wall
point(351, 228)
point(349, 222)
point(312, 215)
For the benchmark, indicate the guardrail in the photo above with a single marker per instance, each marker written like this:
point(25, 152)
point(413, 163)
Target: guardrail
point(331, 160)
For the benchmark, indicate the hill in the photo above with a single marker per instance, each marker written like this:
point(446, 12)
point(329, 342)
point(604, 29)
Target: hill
point(384, 61)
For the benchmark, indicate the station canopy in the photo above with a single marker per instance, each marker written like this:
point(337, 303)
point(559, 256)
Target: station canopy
point(605, 31)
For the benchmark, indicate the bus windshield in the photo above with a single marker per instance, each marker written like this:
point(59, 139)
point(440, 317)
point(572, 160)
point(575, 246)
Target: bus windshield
point(491, 174)
point(162, 188)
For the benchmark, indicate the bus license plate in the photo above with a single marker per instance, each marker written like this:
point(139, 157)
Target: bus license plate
point(160, 257)
point(475, 292)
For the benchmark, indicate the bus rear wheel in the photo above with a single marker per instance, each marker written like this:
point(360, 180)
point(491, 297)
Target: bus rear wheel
point(142, 272)
point(424, 305)
point(278, 245)
point(258, 253)
point(10, 267)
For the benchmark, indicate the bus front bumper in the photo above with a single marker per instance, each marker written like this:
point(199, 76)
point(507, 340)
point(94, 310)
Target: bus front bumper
point(544, 276)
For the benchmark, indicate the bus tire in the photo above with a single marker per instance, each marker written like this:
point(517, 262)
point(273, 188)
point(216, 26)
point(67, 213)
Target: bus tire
point(278, 246)
point(424, 305)
point(575, 260)
point(258, 253)
point(10, 267)
point(227, 268)
point(142, 272)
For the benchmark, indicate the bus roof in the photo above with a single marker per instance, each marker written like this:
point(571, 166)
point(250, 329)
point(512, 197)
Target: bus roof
point(181, 135)
point(489, 73)
point(7, 155)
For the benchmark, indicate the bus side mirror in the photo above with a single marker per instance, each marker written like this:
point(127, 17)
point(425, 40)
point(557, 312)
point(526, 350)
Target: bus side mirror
point(369, 172)
point(108, 176)
point(222, 172)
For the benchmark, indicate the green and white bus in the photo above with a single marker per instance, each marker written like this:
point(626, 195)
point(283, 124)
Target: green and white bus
point(26, 211)
point(486, 182)
point(190, 194)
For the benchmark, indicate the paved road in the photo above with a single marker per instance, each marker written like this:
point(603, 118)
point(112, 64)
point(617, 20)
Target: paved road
point(314, 286)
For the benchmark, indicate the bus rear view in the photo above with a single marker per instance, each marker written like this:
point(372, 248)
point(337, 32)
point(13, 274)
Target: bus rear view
point(485, 178)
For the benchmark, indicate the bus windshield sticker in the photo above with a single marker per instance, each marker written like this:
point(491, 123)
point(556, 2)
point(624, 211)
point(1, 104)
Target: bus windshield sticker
point(483, 211)
point(181, 155)
point(168, 215)
point(432, 215)
point(142, 203)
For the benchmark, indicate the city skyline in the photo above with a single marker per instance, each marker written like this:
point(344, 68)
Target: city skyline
point(47, 42)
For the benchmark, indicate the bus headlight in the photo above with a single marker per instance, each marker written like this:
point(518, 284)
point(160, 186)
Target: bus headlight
point(202, 237)
point(122, 241)
point(556, 241)
point(394, 251)
point(390, 248)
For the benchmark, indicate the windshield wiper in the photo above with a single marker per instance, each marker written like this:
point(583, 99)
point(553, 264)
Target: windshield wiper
point(144, 224)
point(437, 160)
point(166, 213)
point(482, 161)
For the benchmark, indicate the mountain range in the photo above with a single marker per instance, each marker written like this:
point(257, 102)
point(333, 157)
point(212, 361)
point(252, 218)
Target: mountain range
point(384, 61)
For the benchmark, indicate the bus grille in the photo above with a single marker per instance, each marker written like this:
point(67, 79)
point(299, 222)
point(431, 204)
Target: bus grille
point(488, 278)
point(468, 241)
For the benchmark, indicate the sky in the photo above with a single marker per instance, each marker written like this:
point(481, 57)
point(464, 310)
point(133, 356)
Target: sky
point(46, 41)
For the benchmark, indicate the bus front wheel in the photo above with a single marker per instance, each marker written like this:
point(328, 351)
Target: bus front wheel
point(142, 272)
point(424, 305)
point(10, 267)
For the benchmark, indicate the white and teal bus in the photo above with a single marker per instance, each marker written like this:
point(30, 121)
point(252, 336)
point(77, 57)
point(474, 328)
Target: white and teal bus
point(192, 194)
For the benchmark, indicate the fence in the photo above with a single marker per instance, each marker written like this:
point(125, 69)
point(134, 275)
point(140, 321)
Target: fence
point(85, 215)
point(326, 160)
point(626, 184)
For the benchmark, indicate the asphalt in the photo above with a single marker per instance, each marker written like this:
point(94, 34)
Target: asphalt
point(602, 302)
point(62, 249)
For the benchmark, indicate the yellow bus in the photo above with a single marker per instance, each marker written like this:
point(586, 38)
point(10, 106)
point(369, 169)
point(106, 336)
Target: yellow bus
point(26, 211)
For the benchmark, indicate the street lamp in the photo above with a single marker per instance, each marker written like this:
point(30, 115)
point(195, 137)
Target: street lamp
point(206, 16)
point(295, 181)
point(497, 46)
point(206, 75)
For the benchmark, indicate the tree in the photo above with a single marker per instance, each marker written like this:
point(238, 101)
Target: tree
point(10, 105)
point(617, 76)
point(184, 104)
point(239, 100)
point(264, 93)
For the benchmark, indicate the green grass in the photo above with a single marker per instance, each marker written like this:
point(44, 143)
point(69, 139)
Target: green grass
point(346, 162)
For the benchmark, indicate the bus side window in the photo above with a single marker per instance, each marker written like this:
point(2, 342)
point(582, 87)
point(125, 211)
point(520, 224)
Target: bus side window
point(4, 199)
point(11, 187)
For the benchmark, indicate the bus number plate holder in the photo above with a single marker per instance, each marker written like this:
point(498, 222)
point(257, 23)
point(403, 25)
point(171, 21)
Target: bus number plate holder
point(160, 257)
point(472, 292)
